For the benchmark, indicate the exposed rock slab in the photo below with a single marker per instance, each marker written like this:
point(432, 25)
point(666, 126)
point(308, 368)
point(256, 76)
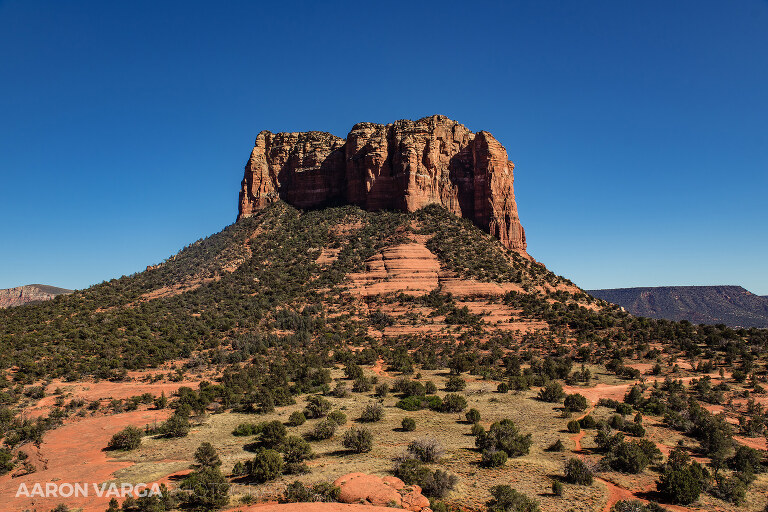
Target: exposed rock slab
point(385, 491)
point(411, 268)
point(403, 166)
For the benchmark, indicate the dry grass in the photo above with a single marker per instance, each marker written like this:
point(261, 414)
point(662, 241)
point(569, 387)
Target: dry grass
point(531, 474)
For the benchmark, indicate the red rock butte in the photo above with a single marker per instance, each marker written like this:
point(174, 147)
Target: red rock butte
point(402, 166)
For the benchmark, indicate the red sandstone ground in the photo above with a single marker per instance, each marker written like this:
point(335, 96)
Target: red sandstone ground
point(74, 453)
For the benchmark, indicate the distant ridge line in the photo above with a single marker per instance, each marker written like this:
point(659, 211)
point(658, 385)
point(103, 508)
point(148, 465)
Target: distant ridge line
point(720, 304)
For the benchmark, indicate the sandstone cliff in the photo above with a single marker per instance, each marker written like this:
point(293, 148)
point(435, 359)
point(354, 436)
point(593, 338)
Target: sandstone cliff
point(21, 295)
point(404, 166)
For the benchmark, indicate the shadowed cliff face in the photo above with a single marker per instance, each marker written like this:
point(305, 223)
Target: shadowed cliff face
point(403, 166)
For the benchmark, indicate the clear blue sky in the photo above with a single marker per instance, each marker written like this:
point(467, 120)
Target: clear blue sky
point(639, 129)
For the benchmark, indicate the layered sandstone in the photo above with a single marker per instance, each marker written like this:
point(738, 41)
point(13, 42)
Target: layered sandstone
point(402, 166)
point(29, 293)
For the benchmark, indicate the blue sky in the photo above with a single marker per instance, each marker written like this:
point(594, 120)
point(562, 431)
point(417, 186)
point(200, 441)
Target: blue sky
point(638, 129)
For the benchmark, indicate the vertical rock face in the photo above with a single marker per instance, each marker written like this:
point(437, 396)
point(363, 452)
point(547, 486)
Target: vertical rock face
point(404, 166)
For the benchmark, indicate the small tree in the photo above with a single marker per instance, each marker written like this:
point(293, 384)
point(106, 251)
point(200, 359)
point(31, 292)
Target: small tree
point(358, 440)
point(507, 499)
point(493, 458)
point(272, 434)
point(426, 450)
point(316, 407)
point(454, 403)
point(323, 430)
point(266, 466)
point(372, 413)
point(295, 450)
point(176, 426)
point(296, 418)
point(206, 456)
point(337, 417)
point(576, 472)
point(473, 416)
point(552, 392)
point(127, 439)
point(504, 435)
point(575, 403)
point(682, 483)
point(209, 489)
point(455, 383)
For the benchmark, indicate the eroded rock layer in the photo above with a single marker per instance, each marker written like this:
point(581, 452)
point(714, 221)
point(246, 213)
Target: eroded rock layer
point(403, 166)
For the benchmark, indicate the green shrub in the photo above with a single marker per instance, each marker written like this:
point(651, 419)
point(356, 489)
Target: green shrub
point(411, 403)
point(426, 450)
point(208, 488)
point(337, 417)
point(362, 384)
point(127, 439)
point(628, 458)
point(438, 483)
point(372, 413)
point(577, 472)
point(454, 403)
point(507, 499)
point(316, 407)
point(206, 456)
point(681, 481)
point(574, 427)
point(552, 392)
point(272, 434)
point(731, 488)
point(637, 506)
point(265, 466)
point(557, 488)
point(297, 492)
point(408, 424)
point(493, 458)
point(247, 429)
point(296, 419)
point(323, 430)
point(747, 459)
point(473, 416)
point(503, 387)
point(588, 421)
point(358, 440)
point(505, 436)
point(575, 403)
point(382, 390)
point(176, 426)
point(295, 449)
point(455, 383)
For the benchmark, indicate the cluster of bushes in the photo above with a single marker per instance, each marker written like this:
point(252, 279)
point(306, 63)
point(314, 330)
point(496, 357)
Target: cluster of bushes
point(297, 492)
point(502, 440)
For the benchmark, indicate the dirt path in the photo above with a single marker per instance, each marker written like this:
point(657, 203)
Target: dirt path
point(73, 454)
point(379, 370)
point(616, 492)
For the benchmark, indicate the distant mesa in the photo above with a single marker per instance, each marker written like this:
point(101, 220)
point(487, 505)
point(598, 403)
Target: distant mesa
point(401, 166)
point(28, 294)
point(730, 305)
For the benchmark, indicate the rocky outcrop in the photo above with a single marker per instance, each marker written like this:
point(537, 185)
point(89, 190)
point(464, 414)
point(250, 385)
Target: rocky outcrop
point(385, 491)
point(403, 166)
point(29, 293)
